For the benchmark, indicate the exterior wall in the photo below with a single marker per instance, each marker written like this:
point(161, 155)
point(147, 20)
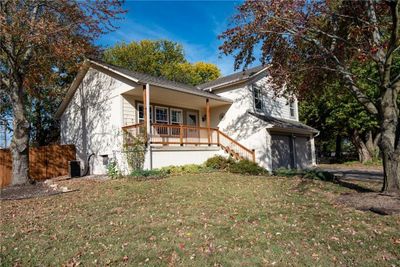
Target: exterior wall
point(93, 119)
point(275, 106)
point(130, 112)
point(157, 157)
point(235, 120)
point(242, 126)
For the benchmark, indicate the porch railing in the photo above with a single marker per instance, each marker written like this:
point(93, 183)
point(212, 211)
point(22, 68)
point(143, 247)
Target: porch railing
point(177, 134)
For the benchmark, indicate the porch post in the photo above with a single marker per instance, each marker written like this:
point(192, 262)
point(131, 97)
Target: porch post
point(208, 120)
point(144, 114)
point(148, 114)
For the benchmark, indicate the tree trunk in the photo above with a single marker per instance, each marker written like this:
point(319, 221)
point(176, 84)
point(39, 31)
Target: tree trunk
point(362, 150)
point(338, 149)
point(372, 144)
point(389, 142)
point(20, 142)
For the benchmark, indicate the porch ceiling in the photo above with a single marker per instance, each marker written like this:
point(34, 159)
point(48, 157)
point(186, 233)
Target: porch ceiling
point(172, 97)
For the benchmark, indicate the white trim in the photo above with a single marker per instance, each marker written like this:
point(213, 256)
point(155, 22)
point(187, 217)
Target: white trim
point(137, 112)
point(254, 87)
point(193, 113)
point(113, 70)
point(148, 118)
point(155, 114)
point(292, 107)
point(170, 115)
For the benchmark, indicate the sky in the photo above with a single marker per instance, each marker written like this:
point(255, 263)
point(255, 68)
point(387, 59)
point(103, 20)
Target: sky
point(194, 24)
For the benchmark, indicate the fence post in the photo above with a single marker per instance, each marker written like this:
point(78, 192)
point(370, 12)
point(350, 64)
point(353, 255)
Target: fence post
point(181, 134)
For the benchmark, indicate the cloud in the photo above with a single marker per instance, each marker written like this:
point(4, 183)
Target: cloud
point(131, 30)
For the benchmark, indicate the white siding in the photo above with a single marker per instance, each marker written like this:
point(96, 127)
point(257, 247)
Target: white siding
point(275, 106)
point(245, 128)
point(129, 109)
point(93, 118)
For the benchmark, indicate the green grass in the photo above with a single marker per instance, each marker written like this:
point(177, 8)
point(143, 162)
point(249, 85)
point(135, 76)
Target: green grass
point(217, 219)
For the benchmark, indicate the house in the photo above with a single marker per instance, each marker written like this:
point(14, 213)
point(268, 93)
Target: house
point(236, 115)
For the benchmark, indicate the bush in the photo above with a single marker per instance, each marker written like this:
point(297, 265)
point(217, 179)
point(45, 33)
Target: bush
point(155, 173)
point(246, 167)
point(112, 170)
point(286, 172)
point(185, 169)
point(306, 174)
point(319, 175)
point(219, 163)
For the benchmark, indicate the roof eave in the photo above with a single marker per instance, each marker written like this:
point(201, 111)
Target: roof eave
point(233, 82)
point(72, 89)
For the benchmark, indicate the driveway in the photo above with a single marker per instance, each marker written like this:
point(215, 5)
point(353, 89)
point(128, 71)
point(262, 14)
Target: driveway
point(356, 172)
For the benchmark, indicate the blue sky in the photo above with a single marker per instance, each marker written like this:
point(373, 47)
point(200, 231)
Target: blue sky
point(194, 24)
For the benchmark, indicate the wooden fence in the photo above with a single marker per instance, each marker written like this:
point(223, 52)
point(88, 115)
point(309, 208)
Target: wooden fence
point(44, 162)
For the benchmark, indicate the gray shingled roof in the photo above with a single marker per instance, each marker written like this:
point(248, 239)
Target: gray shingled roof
point(282, 123)
point(235, 77)
point(159, 81)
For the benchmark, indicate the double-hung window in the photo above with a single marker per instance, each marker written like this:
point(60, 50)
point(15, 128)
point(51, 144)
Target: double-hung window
point(161, 118)
point(161, 115)
point(257, 98)
point(176, 116)
point(140, 111)
point(292, 109)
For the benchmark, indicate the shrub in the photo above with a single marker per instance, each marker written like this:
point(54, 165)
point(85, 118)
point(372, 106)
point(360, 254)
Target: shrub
point(246, 167)
point(286, 172)
point(112, 170)
point(319, 175)
point(307, 174)
point(155, 173)
point(185, 169)
point(219, 163)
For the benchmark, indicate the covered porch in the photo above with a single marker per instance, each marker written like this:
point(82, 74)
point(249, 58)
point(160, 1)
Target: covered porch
point(176, 117)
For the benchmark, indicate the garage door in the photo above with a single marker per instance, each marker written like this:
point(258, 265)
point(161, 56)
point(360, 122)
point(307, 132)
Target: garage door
point(281, 150)
point(303, 152)
point(288, 151)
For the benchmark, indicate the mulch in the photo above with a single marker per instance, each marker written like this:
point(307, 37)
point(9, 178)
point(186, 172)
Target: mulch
point(39, 189)
point(372, 201)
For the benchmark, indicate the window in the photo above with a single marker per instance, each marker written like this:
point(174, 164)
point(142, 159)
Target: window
point(161, 115)
point(176, 116)
point(257, 96)
point(292, 108)
point(141, 113)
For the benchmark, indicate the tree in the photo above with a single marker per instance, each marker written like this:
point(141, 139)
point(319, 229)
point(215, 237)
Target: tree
point(307, 41)
point(194, 74)
point(340, 117)
point(338, 114)
point(161, 58)
point(36, 38)
point(146, 56)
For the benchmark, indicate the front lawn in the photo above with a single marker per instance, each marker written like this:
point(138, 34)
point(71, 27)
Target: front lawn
point(216, 219)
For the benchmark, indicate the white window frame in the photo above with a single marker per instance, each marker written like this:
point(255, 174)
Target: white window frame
point(155, 114)
point(138, 113)
point(170, 115)
point(292, 108)
point(260, 98)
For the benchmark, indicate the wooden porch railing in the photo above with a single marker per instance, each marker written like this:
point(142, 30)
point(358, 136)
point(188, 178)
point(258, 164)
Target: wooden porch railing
point(170, 134)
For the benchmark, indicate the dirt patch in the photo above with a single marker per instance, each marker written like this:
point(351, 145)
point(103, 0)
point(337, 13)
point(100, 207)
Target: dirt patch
point(375, 202)
point(39, 189)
